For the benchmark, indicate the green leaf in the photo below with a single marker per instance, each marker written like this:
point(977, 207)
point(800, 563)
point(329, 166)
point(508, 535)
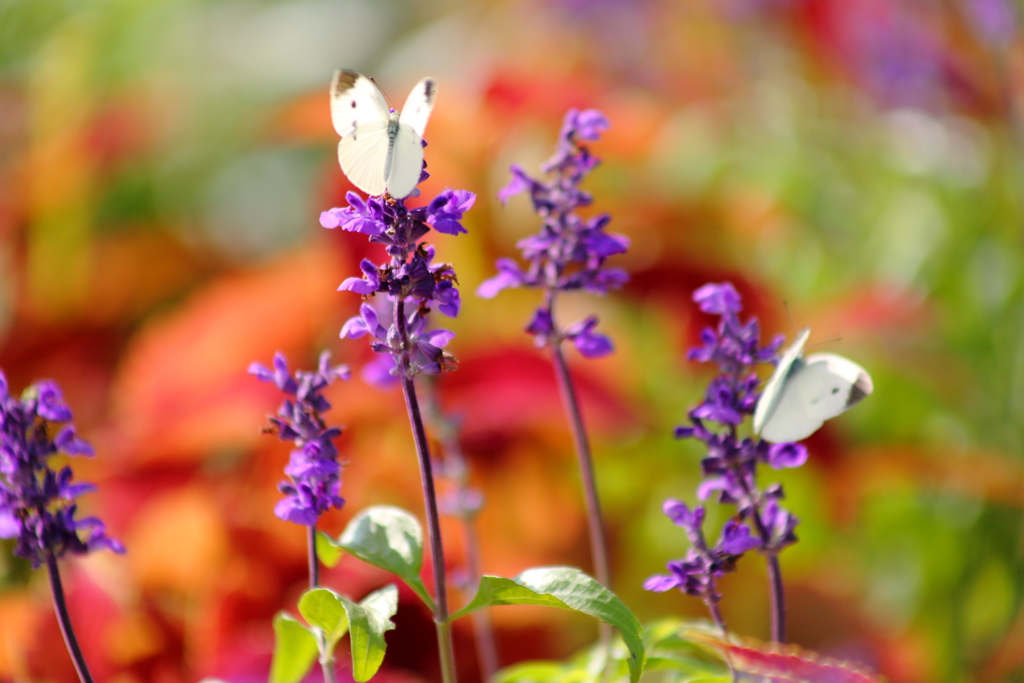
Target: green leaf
point(328, 550)
point(323, 609)
point(390, 538)
point(368, 621)
point(295, 650)
point(543, 672)
point(566, 588)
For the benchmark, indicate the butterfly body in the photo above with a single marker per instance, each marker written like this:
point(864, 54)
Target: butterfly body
point(804, 392)
point(381, 150)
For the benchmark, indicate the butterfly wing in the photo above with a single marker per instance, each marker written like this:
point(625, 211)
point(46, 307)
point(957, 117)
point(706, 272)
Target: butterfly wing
point(418, 106)
point(774, 389)
point(406, 162)
point(830, 384)
point(363, 156)
point(790, 420)
point(818, 388)
point(355, 100)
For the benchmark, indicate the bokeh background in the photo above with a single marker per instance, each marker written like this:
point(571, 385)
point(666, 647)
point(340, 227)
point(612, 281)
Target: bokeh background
point(162, 167)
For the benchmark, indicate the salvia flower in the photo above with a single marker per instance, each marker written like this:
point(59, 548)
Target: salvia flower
point(412, 282)
point(569, 251)
point(314, 474)
point(37, 503)
point(698, 572)
point(729, 467)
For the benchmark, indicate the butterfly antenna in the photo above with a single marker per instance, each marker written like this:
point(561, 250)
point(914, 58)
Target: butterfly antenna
point(789, 314)
point(830, 340)
point(391, 105)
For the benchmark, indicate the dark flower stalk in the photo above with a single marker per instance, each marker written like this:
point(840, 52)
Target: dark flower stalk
point(567, 254)
point(464, 503)
point(412, 283)
point(730, 467)
point(36, 503)
point(314, 474)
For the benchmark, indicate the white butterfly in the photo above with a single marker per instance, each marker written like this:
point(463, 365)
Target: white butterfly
point(380, 149)
point(804, 392)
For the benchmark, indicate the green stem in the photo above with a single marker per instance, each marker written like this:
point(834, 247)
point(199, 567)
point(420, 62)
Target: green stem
point(444, 628)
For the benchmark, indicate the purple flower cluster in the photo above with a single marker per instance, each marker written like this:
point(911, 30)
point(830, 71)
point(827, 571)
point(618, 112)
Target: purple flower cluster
point(697, 573)
point(314, 475)
point(410, 277)
point(35, 502)
point(569, 251)
point(730, 466)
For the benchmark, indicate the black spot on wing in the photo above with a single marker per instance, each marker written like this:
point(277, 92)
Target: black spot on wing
point(353, 104)
point(429, 90)
point(861, 388)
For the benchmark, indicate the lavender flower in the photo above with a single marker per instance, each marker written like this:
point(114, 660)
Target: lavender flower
point(36, 503)
point(698, 572)
point(730, 466)
point(994, 21)
point(569, 252)
point(411, 277)
point(314, 475)
point(413, 283)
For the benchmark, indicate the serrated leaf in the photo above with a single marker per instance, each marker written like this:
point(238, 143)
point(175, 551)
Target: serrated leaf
point(328, 550)
point(392, 539)
point(368, 621)
point(565, 588)
point(295, 650)
point(323, 608)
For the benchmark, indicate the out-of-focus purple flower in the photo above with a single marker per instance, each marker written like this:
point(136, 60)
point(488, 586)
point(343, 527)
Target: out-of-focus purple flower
point(894, 50)
point(718, 299)
point(589, 343)
point(36, 503)
point(995, 21)
point(569, 252)
point(314, 475)
point(509, 275)
point(583, 125)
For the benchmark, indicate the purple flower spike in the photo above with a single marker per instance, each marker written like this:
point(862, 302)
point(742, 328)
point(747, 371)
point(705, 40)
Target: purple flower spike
point(729, 467)
point(410, 280)
point(569, 252)
point(314, 475)
point(37, 504)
